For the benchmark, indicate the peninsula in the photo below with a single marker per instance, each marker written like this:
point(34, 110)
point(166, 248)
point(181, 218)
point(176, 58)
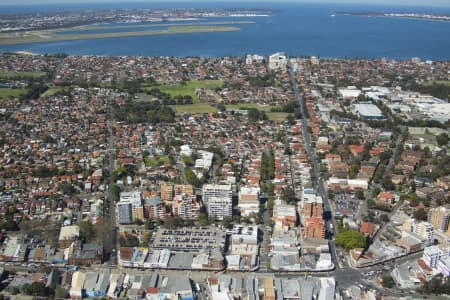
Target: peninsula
point(76, 33)
point(417, 16)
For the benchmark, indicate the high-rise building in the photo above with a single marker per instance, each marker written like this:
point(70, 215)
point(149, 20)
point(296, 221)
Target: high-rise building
point(314, 209)
point(154, 208)
point(170, 190)
point(277, 61)
point(186, 206)
point(425, 230)
point(439, 217)
point(219, 199)
point(315, 228)
point(431, 255)
point(183, 189)
point(167, 191)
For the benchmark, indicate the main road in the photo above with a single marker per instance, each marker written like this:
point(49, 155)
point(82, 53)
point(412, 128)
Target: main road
point(111, 169)
point(320, 189)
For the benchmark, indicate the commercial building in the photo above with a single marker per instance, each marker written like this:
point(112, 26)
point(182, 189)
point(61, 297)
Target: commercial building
point(249, 200)
point(285, 216)
point(219, 199)
point(125, 214)
point(67, 235)
point(368, 111)
point(243, 248)
point(76, 290)
point(130, 207)
point(350, 92)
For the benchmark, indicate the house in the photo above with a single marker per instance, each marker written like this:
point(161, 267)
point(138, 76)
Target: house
point(356, 150)
point(386, 199)
point(368, 229)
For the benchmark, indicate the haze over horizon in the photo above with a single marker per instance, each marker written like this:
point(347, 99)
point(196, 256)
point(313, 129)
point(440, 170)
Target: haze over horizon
point(431, 3)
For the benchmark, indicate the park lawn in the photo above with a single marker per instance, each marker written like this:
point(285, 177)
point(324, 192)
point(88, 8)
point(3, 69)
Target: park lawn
point(157, 161)
point(445, 82)
point(12, 74)
point(188, 89)
point(265, 108)
point(11, 93)
point(51, 91)
point(199, 108)
point(277, 116)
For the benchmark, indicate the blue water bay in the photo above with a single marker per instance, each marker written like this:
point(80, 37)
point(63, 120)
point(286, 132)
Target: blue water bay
point(295, 28)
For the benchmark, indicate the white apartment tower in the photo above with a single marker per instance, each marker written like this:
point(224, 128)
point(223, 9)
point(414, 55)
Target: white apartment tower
point(426, 231)
point(219, 200)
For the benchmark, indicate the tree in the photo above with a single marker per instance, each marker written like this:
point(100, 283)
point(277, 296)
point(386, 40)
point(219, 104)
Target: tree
point(420, 215)
point(149, 224)
point(359, 195)
point(288, 194)
point(129, 240)
point(146, 239)
point(387, 281)
point(36, 289)
point(192, 178)
point(203, 219)
point(387, 183)
point(173, 222)
point(436, 285)
point(353, 170)
point(87, 231)
point(226, 221)
point(351, 239)
point(61, 293)
point(384, 218)
point(442, 139)
point(66, 188)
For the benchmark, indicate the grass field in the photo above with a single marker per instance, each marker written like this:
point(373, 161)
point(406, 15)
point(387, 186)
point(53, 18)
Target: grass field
point(265, 108)
point(445, 82)
point(22, 74)
point(41, 36)
point(157, 161)
point(188, 89)
point(51, 91)
point(8, 93)
point(195, 108)
point(277, 116)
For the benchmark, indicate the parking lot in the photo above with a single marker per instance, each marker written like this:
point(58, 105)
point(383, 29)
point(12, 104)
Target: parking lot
point(346, 204)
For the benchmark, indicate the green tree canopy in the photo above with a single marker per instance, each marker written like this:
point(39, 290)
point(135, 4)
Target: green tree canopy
point(420, 215)
point(442, 139)
point(351, 239)
point(87, 232)
point(387, 281)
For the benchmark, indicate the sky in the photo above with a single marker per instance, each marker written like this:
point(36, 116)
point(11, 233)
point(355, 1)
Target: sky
point(443, 3)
